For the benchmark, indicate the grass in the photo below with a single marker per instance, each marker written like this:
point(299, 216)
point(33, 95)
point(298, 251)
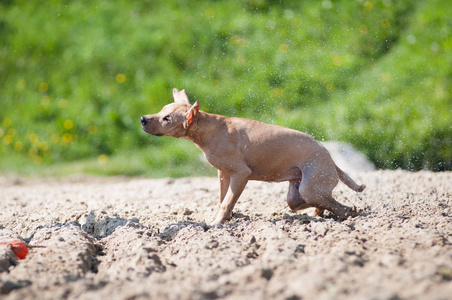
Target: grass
point(76, 76)
point(179, 160)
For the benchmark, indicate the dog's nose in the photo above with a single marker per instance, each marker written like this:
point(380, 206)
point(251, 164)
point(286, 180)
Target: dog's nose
point(143, 120)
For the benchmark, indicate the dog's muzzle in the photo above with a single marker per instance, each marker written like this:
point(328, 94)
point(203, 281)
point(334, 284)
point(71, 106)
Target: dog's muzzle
point(145, 122)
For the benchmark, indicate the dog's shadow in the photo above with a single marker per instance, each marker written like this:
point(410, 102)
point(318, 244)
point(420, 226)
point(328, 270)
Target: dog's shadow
point(306, 219)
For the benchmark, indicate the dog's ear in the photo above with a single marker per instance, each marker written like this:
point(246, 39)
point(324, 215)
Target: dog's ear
point(191, 116)
point(180, 96)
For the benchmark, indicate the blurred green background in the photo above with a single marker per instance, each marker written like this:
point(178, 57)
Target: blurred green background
point(75, 77)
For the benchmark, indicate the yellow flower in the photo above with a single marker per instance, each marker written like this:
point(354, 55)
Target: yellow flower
point(45, 100)
point(385, 77)
point(62, 103)
point(210, 13)
point(68, 124)
point(37, 159)
point(283, 48)
point(337, 61)
point(330, 87)
point(33, 137)
point(18, 146)
point(21, 84)
point(44, 146)
point(121, 78)
point(368, 5)
point(102, 159)
point(11, 132)
point(363, 29)
point(55, 138)
point(43, 87)
point(385, 23)
point(277, 92)
point(67, 138)
point(7, 122)
point(32, 152)
point(238, 41)
point(92, 129)
point(7, 139)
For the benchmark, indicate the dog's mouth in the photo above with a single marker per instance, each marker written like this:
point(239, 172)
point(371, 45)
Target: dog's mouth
point(152, 133)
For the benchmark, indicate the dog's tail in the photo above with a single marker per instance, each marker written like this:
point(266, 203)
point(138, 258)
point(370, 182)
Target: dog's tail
point(349, 182)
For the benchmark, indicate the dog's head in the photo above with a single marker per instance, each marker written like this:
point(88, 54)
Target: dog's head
point(174, 119)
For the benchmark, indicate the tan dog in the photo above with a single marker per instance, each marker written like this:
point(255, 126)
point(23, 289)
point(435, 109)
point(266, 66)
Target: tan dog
point(243, 149)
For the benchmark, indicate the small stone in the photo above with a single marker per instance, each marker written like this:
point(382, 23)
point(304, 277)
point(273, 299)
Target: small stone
point(267, 273)
point(212, 244)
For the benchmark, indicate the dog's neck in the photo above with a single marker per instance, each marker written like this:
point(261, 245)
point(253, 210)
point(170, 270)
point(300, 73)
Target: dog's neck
point(201, 131)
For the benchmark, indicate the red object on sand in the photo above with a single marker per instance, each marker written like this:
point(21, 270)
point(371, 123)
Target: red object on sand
point(19, 248)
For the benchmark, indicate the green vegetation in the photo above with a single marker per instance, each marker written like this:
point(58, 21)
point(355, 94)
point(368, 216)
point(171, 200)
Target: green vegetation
point(75, 76)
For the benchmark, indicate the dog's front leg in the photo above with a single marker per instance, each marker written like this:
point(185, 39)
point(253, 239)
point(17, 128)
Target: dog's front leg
point(238, 182)
point(225, 180)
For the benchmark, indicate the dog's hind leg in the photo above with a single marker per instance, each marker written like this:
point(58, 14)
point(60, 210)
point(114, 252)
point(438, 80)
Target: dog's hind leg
point(338, 209)
point(296, 202)
point(294, 199)
point(316, 190)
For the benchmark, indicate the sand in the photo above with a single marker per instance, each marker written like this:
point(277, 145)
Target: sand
point(139, 238)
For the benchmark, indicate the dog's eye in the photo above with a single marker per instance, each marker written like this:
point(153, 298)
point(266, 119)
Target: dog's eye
point(167, 119)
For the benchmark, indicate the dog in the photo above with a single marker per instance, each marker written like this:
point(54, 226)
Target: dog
point(245, 149)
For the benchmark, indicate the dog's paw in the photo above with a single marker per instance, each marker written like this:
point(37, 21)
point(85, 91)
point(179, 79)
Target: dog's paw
point(218, 222)
point(318, 212)
point(352, 212)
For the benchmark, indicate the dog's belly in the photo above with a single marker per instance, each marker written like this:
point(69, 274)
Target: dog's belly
point(278, 175)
